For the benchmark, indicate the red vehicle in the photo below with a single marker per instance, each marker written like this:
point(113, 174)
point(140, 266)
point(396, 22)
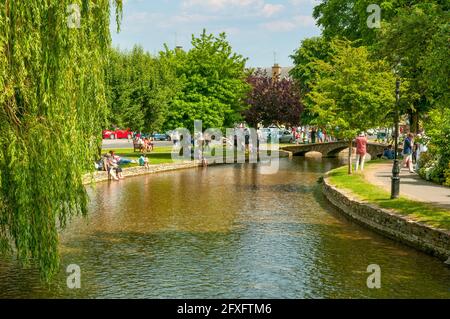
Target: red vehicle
point(117, 134)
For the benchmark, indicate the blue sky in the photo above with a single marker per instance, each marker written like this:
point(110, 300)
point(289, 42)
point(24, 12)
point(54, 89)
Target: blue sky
point(255, 28)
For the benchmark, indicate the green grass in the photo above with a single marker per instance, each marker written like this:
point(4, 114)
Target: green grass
point(160, 155)
point(419, 211)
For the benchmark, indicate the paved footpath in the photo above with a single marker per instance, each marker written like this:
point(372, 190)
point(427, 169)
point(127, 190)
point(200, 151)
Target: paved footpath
point(411, 185)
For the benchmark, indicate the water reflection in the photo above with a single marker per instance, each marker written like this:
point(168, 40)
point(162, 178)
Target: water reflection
point(227, 231)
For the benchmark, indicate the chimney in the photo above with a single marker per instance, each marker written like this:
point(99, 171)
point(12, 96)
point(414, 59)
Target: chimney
point(276, 72)
point(178, 48)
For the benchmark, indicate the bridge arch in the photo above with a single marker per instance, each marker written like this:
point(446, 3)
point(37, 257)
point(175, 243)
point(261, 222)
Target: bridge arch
point(331, 149)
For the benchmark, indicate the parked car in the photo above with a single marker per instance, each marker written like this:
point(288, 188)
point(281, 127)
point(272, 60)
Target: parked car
point(285, 136)
point(267, 132)
point(117, 134)
point(161, 137)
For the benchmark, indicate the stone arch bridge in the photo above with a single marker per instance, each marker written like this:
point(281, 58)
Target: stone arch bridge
point(332, 149)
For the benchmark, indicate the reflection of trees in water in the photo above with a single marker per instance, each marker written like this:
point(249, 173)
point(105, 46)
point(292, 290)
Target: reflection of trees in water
point(228, 231)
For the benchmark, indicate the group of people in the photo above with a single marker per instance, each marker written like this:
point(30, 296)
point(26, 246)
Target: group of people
point(310, 135)
point(145, 144)
point(110, 163)
point(413, 147)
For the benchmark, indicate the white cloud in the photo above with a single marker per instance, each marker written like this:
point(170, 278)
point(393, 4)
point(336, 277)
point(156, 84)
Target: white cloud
point(269, 10)
point(304, 2)
point(217, 5)
point(192, 18)
point(304, 21)
point(290, 24)
point(279, 26)
point(248, 7)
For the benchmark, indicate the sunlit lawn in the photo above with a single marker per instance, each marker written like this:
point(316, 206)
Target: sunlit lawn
point(160, 155)
point(358, 185)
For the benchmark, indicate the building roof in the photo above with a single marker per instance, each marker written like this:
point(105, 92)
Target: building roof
point(284, 71)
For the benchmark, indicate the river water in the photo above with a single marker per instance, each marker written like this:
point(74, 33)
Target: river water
point(227, 232)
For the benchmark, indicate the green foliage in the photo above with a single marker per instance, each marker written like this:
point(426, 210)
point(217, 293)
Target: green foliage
point(213, 83)
point(306, 70)
point(412, 42)
point(348, 18)
point(52, 107)
point(413, 38)
point(436, 165)
point(139, 89)
point(352, 93)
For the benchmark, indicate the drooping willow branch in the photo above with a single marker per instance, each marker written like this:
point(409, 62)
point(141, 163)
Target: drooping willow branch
point(52, 108)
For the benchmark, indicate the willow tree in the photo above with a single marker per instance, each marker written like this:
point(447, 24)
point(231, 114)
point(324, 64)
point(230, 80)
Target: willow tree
point(52, 106)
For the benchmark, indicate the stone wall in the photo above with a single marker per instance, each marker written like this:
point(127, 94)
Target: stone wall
point(101, 176)
point(415, 234)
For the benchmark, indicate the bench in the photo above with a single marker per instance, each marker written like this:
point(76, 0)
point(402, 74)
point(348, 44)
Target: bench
point(137, 147)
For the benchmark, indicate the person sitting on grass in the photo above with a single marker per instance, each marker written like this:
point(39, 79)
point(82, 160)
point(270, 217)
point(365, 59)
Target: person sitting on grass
point(147, 145)
point(143, 161)
point(119, 160)
point(388, 153)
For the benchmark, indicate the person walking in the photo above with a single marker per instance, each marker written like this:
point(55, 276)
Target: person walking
point(361, 151)
point(421, 148)
point(407, 152)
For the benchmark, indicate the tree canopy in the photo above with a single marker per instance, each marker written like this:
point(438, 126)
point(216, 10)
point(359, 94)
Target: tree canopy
point(353, 93)
point(272, 101)
point(306, 70)
point(139, 89)
point(414, 44)
point(213, 85)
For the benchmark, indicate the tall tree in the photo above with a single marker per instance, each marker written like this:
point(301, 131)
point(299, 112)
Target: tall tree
point(139, 89)
point(348, 18)
point(306, 71)
point(411, 42)
point(52, 107)
point(213, 83)
point(353, 93)
point(272, 101)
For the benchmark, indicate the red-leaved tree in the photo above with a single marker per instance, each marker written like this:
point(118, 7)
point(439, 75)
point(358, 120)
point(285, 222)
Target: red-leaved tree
point(272, 101)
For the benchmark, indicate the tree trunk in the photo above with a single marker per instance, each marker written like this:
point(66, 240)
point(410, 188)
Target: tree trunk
point(414, 122)
point(350, 153)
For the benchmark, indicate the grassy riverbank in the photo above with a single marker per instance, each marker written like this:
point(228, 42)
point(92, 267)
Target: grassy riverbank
point(160, 155)
point(364, 190)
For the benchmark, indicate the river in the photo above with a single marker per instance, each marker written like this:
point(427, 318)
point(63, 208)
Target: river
point(227, 232)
